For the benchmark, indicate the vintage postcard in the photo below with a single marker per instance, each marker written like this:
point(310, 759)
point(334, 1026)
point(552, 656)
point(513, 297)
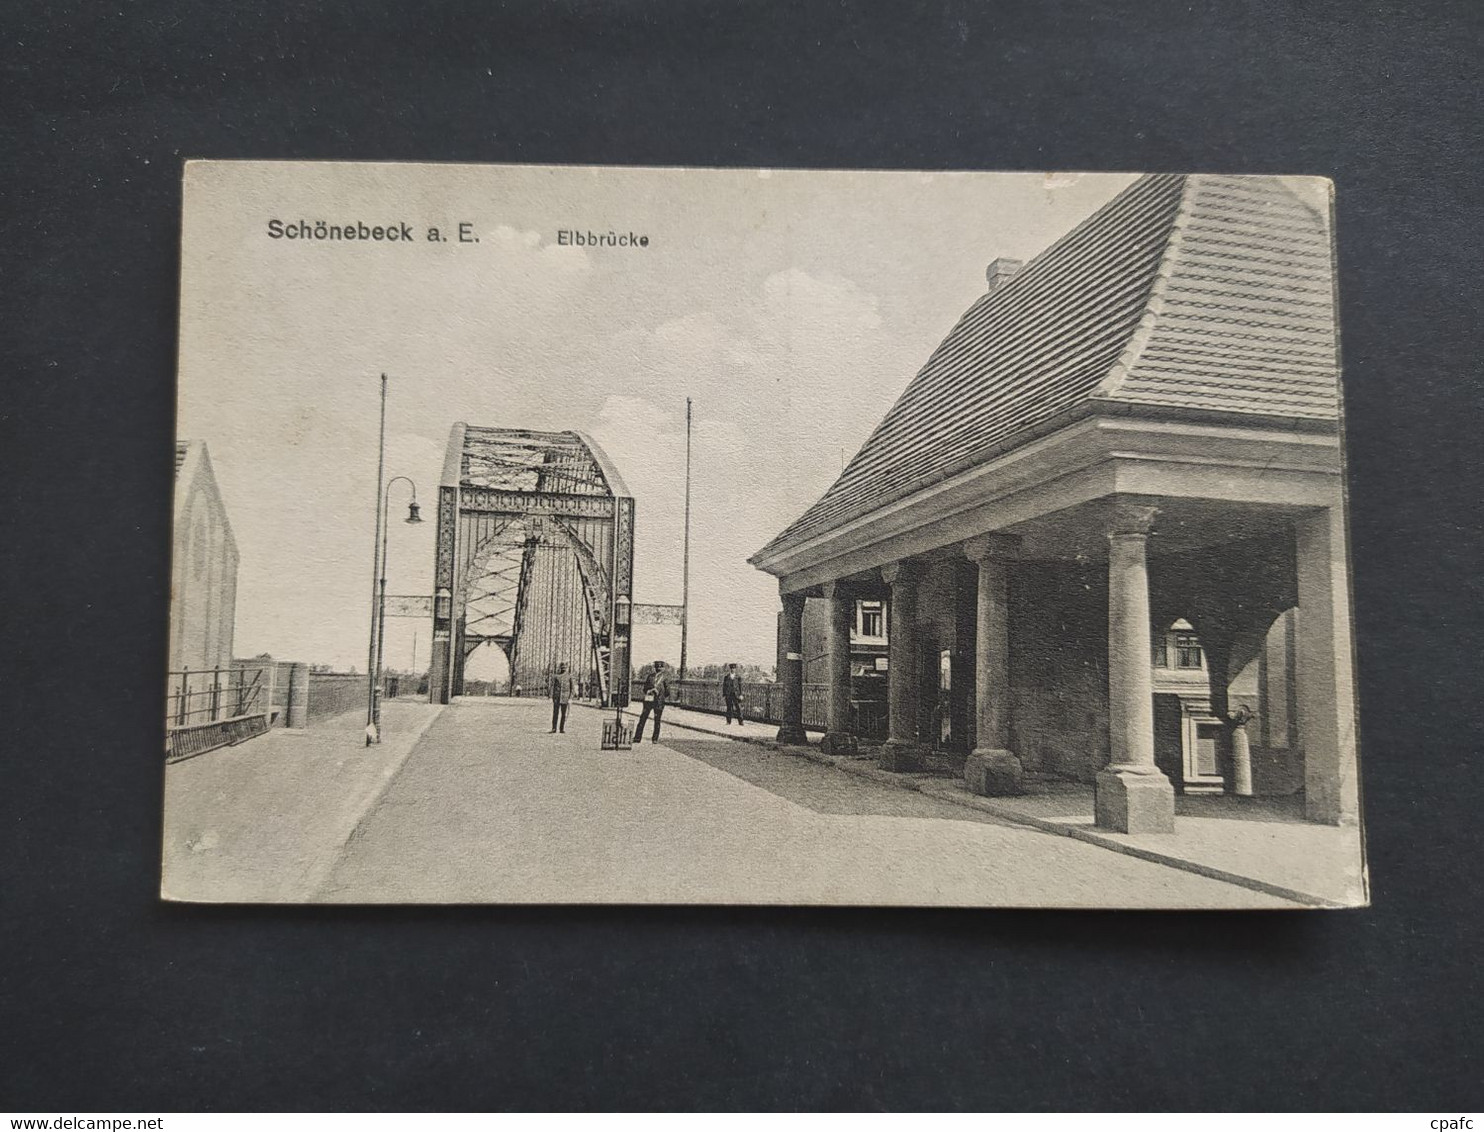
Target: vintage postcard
point(623, 535)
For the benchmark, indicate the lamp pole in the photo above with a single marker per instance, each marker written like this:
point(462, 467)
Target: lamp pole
point(385, 528)
point(685, 555)
point(620, 650)
point(375, 574)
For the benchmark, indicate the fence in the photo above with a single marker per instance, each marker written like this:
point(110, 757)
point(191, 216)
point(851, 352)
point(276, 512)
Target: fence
point(763, 703)
point(212, 708)
point(275, 682)
point(216, 707)
point(211, 695)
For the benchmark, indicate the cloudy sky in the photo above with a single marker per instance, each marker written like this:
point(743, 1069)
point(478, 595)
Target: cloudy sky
point(792, 307)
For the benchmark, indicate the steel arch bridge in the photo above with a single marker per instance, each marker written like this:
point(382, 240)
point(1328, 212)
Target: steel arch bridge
point(535, 555)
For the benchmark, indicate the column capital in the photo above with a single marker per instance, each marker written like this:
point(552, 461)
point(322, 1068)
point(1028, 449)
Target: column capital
point(994, 545)
point(793, 603)
point(1131, 517)
point(831, 590)
point(897, 572)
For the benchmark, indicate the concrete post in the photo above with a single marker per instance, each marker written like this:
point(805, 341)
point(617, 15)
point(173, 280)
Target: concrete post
point(839, 739)
point(1326, 681)
point(1132, 794)
point(298, 705)
point(992, 767)
point(791, 669)
point(902, 751)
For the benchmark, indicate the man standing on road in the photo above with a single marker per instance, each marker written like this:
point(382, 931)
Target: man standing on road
point(656, 692)
point(561, 698)
point(731, 692)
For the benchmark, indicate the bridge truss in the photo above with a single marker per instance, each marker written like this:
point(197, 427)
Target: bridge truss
point(535, 556)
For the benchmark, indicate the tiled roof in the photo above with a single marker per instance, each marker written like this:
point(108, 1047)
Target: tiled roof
point(182, 448)
point(1245, 320)
point(1198, 292)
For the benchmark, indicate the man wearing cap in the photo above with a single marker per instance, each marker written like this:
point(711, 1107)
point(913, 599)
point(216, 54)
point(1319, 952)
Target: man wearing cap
point(656, 692)
point(731, 692)
point(561, 698)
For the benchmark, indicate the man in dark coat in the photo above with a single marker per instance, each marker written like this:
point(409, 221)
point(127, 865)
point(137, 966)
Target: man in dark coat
point(562, 687)
point(656, 692)
point(731, 692)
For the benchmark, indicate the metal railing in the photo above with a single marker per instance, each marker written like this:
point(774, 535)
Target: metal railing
point(763, 703)
point(211, 695)
point(212, 708)
point(198, 738)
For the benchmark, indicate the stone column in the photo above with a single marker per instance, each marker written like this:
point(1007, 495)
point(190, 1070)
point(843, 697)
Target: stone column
point(1132, 794)
point(1322, 667)
point(901, 751)
point(839, 739)
point(1241, 759)
point(992, 767)
point(791, 669)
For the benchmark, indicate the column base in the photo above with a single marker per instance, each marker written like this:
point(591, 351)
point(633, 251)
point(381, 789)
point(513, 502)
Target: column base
point(793, 735)
point(897, 755)
point(1134, 800)
point(988, 771)
point(839, 743)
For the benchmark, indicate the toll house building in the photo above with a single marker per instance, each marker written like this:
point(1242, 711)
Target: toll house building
point(1105, 520)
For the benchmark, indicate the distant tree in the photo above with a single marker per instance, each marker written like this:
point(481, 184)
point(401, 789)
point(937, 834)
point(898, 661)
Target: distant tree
point(751, 673)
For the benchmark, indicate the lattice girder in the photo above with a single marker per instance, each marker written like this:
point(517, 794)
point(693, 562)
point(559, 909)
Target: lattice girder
point(534, 552)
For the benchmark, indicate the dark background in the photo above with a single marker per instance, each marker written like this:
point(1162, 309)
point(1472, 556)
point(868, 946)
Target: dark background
point(112, 1001)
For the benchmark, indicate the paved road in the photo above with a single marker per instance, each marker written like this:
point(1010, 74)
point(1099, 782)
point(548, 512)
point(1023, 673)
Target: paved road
point(265, 821)
point(490, 807)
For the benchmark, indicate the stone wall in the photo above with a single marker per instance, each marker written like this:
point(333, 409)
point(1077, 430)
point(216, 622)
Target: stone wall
point(1059, 667)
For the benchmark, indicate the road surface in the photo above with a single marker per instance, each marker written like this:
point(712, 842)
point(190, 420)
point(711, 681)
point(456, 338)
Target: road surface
point(485, 805)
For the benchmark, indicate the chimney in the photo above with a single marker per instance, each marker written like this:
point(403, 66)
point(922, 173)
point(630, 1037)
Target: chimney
point(999, 271)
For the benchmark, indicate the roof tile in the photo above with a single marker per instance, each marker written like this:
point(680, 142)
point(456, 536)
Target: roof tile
point(1192, 292)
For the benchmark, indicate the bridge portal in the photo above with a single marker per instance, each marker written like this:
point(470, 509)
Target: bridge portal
point(535, 556)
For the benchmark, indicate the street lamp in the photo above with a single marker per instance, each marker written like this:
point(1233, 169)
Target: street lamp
point(385, 525)
point(375, 574)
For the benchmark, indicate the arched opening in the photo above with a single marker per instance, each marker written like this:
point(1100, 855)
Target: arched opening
point(487, 671)
point(1193, 728)
point(1188, 735)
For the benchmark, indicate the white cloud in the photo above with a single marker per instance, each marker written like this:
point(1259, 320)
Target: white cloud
point(754, 466)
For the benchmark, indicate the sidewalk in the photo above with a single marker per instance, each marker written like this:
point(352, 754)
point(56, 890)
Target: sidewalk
point(747, 730)
point(1260, 844)
point(267, 819)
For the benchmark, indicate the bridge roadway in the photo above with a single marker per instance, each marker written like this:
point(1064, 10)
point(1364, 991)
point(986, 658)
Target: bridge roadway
point(477, 802)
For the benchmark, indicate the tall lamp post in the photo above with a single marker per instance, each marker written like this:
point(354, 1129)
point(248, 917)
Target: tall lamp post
point(685, 555)
point(375, 575)
point(385, 527)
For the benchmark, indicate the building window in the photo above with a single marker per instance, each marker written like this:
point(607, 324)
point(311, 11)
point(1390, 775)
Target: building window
point(870, 621)
point(1178, 647)
point(1187, 650)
